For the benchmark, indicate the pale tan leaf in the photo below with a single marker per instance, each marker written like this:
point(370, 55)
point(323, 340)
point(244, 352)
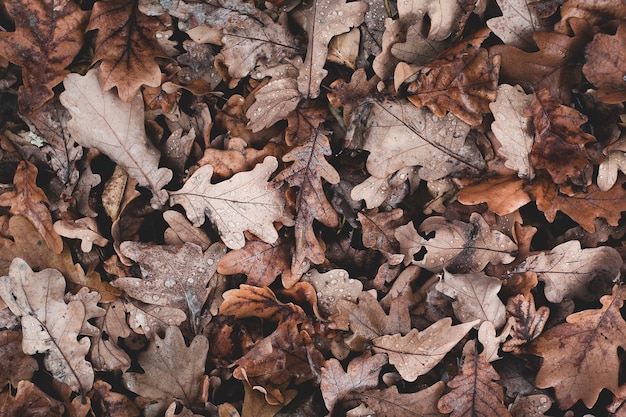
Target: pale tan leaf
point(49, 325)
point(517, 24)
point(513, 130)
point(181, 231)
point(171, 370)
point(150, 319)
point(273, 102)
point(105, 354)
point(375, 191)
point(476, 297)
point(240, 203)
point(610, 168)
point(572, 272)
point(332, 286)
point(418, 352)
point(85, 229)
point(390, 403)
point(491, 341)
point(343, 49)
point(100, 119)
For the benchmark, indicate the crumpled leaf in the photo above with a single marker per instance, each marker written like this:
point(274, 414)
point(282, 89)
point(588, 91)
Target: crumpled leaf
point(243, 202)
point(308, 170)
point(16, 365)
point(323, 20)
point(398, 135)
point(475, 297)
point(173, 276)
point(474, 390)
point(48, 35)
point(390, 403)
point(126, 44)
point(30, 201)
point(171, 371)
point(32, 402)
point(249, 301)
point(338, 385)
point(461, 80)
point(605, 68)
point(517, 24)
point(418, 352)
point(457, 246)
point(85, 229)
point(580, 374)
point(527, 321)
point(101, 120)
point(110, 402)
point(513, 129)
point(49, 325)
point(572, 272)
point(378, 191)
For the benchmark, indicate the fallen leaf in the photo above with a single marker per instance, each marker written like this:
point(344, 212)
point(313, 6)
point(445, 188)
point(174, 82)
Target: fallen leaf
point(30, 201)
point(343, 49)
point(49, 325)
point(418, 352)
point(379, 232)
point(249, 301)
point(339, 386)
point(150, 319)
point(517, 24)
point(240, 203)
point(527, 321)
point(390, 403)
point(604, 68)
point(608, 170)
point(100, 119)
point(181, 231)
point(105, 353)
point(254, 403)
point(85, 229)
point(17, 365)
point(379, 192)
point(331, 287)
point(32, 402)
point(530, 406)
point(580, 374)
point(503, 195)
point(111, 403)
point(126, 44)
point(171, 371)
point(474, 390)
point(48, 34)
point(475, 297)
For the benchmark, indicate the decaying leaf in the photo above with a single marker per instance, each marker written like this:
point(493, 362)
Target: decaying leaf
point(85, 229)
point(332, 287)
point(249, 301)
point(572, 272)
point(418, 352)
point(528, 321)
point(390, 403)
point(105, 353)
point(110, 402)
point(17, 365)
point(474, 390)
point(48, 34)
point(171, 371)
point(605, 68)
point(517, 24)
point(100, 119)
point(580, 374)
point(49, 325)
point(240, 203)
point(31, 401)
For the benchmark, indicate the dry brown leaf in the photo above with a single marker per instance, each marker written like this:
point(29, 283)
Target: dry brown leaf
point(390, 403)
point(105, 353)
point(249, 301)
point(527, 321)
point(398, 135)
point(513, 129)
point(379, 232)
point(101, 120)
point(240, 203)
point(331, 287)
point(172, 371)
point(531, 406)
point(572, 272)
point(173, 276)
point(181, 231)
point(16, 365)
point(517, 24)
point(604, 67)
point(30, 201)
point(85, 229)
point(474, 390)
point(475, 297)
point(111, 403)
point(150, 319)
point(339, 386)
point(321, 21)
point(126, 44)
point(503, 195)
point(32, 402)
point(418, 352)
point(48, 35)
point(349, 95)
point(49, 325)
point(254, 404)
point(344, 49)
point(608, 170)
point(580, 374)
point(378, 191)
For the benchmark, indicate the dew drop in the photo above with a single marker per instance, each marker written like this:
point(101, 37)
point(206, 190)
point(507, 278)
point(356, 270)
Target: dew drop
point(190, 280)
point(169, 283)
point(333, 282)
point(210, 261)
point(155, 297)
point(201, 270)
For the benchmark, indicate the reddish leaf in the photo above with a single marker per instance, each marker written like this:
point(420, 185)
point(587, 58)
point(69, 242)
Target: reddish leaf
point(604, 67)
point(249, 301)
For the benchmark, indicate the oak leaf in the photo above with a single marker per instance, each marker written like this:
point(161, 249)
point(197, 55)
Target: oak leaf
point(49, 325)
point(48, 34)
point(273, 102)
point(181, 231)
point(503, 195)
point(105, 353)
point(150, 319)
point(126, 44)
point(349, 95)
point(172, 371)
point(100, 119)
point(517, 24)
point(418, 352)
point(609, 169)
point(30, 201)
point(85, 229)
point(475, 297)
point(249, 301)
point(379, 232)
point(604, 68)
point(558, 136)
point(399, 135)
point(331, 287)
point(572, 272)
point(530, 406)
point(513, 128)
point(179, 277)
point(580, 374)
point(528, 321)
point(461, 80)
point(243, 202)
point(32, 402)
point(457, 246)
point(383, 192)
point(16, 365)
point(110, 402)
point(307, 172)
point(390, 403)
point(339, 386)
point(474, 390)
point(321, 21)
